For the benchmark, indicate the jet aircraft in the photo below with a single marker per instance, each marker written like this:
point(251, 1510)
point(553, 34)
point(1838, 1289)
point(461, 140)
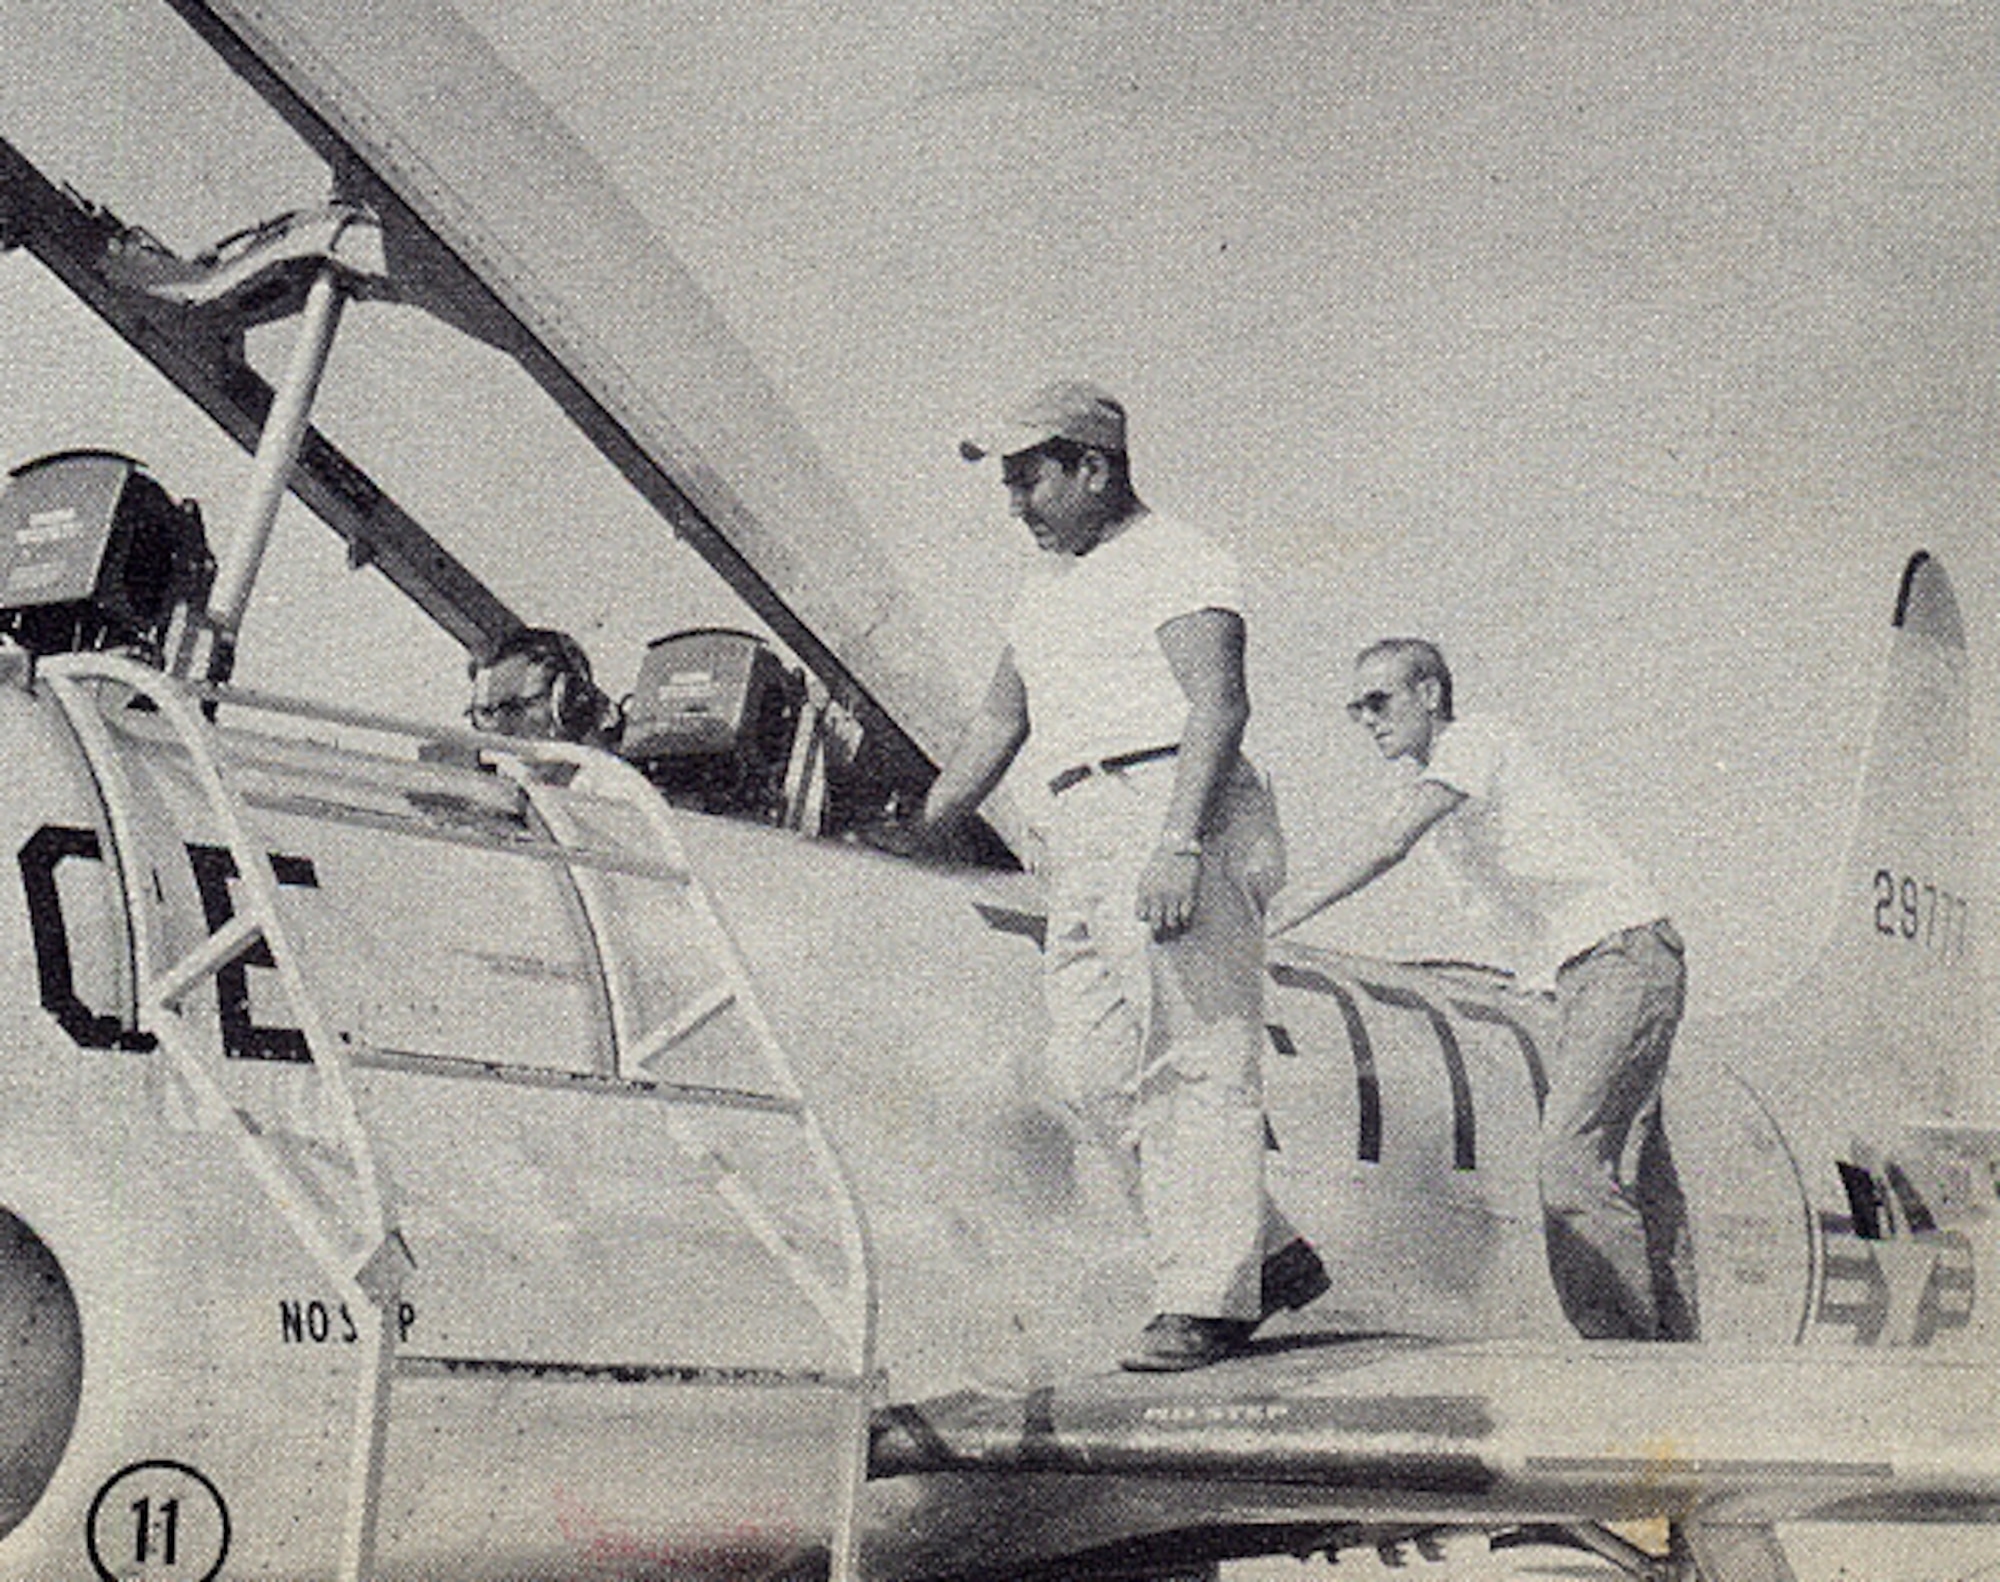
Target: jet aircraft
point(572, 1212)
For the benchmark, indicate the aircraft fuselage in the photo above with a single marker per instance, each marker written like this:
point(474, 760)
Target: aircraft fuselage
point(599, 1359)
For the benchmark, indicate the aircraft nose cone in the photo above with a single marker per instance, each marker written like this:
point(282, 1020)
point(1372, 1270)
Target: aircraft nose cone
point(41, 1368)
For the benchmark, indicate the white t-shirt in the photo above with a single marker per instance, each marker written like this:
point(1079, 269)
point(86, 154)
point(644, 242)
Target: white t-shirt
point(1085, 634)
point(1521, 849)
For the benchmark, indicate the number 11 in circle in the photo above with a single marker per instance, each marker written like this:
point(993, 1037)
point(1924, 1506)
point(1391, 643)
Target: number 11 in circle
point(143, 1531)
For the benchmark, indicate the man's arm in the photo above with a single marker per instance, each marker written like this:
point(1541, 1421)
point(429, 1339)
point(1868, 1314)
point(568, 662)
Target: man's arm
point(1419, 807)
point(1204, 648)
point(992, 737)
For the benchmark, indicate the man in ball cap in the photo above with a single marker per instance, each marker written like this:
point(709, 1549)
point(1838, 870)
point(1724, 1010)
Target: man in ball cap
point(1126, 646)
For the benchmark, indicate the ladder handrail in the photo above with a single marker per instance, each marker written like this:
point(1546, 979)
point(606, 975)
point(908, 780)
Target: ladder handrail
point(615, 780)
point(849, 1311)
point(163, 989)
point(375, 1278)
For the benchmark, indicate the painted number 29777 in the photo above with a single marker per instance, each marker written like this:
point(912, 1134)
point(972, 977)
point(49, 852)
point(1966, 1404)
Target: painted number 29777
point(1921, 913)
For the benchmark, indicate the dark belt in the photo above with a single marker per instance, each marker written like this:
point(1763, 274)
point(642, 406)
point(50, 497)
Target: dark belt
point(1076, 774)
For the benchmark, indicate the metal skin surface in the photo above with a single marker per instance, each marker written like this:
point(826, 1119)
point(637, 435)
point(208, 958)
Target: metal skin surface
point(601, 1373)
point(581, 1293)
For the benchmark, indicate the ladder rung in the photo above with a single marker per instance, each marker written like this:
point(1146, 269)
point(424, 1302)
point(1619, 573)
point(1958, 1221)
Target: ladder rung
point(697, 1015)
point(216, 951)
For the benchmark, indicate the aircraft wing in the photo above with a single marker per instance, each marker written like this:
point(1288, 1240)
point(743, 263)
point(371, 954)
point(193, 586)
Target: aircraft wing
point(1395, 1429)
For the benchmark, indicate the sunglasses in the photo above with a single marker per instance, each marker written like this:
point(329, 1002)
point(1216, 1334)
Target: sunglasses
point(1369, 706)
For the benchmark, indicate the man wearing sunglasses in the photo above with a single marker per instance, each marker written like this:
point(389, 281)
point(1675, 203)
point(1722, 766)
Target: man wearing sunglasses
point(1126, 646)
point(1583, 922)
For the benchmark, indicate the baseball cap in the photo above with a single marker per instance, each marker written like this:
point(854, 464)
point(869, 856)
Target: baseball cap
point(1071, 409)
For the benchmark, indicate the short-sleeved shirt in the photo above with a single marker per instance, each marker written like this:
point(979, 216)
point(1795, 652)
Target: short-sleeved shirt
point(1522, 850)
point(1085, 636)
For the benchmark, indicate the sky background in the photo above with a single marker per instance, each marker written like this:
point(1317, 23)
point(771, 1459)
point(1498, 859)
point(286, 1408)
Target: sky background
point(1627, 347)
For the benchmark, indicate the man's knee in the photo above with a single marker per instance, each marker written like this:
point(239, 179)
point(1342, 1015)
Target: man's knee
point(1092, 1069)
point(1575, 1181)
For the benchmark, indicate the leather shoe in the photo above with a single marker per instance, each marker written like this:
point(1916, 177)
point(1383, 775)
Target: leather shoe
point(1175, 1342)
point(1292, 1277)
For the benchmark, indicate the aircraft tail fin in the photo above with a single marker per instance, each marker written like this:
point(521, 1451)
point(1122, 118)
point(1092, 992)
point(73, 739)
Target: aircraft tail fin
point(1899, 982)
point(1879, 1043)
point(1912, 793)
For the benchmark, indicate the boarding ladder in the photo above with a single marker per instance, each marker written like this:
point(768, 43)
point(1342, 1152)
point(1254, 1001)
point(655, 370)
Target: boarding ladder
point(365, 1257)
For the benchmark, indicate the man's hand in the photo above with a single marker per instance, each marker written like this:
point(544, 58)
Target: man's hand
point(1167, 888)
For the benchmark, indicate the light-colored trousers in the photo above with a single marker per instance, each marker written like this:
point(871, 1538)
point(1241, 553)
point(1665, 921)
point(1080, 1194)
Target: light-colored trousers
point(1156, 1045)
point(1619, 1249)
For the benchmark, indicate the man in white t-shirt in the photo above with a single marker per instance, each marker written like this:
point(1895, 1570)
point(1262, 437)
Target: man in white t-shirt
point(1125, 650)
point(1583, 921)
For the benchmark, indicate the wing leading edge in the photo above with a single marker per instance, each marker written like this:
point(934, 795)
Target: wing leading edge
point(1393, 1428)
